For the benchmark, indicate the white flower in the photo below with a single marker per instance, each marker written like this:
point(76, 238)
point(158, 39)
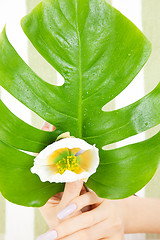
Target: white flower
point(66, 160)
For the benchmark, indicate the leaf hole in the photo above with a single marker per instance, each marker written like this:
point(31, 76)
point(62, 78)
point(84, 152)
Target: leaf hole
point(133, 139)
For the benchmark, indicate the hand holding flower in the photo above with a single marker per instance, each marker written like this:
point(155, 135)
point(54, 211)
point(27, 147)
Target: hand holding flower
point(59, 202)
point(67, 214)
point(103, 221)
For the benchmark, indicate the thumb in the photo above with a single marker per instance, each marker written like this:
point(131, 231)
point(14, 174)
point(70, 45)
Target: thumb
point(71, 191)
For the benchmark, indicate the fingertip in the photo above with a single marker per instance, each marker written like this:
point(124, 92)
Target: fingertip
point(53, 128)
point(47, 127)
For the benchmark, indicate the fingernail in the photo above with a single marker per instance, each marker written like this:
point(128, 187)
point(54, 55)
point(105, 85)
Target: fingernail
point(51, 235)
point(67, 211)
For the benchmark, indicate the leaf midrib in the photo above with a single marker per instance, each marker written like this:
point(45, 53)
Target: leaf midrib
point(80, 77)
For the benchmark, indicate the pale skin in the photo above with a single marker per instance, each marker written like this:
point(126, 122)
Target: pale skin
point(95, 218)
point(106, 219)
point(101, 221)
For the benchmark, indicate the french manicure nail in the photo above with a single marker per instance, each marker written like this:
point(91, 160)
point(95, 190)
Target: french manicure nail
point(51, 235)
point(67, 211)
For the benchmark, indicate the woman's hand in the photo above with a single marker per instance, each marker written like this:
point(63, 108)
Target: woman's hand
point(77, 214)
point(58, 202)
point(69, 219)
point(102, 221)
point(50, 210)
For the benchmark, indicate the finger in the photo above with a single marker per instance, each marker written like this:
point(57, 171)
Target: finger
point(71, 191)
point(79, 203)
point(102, 230)
point(82, 221)
point(95, 232)
point(89, 198)
point(46, 127)
point(49, 212)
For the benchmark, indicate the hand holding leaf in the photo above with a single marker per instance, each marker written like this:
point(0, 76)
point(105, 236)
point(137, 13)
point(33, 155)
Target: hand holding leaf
point(98, 51)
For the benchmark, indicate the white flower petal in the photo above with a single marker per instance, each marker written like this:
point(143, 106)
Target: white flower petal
point(43, 170)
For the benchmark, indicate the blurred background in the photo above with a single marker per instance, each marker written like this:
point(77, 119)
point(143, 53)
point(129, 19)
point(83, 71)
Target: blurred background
point(16, 222)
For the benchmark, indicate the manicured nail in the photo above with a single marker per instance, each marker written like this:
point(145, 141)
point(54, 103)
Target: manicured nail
point(51, 235)
point(67, 211)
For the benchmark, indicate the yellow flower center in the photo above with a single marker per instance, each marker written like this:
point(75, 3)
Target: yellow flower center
point(70, 163)
point(64, 159)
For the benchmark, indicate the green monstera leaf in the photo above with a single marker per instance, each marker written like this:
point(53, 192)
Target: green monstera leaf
point(98, 51)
